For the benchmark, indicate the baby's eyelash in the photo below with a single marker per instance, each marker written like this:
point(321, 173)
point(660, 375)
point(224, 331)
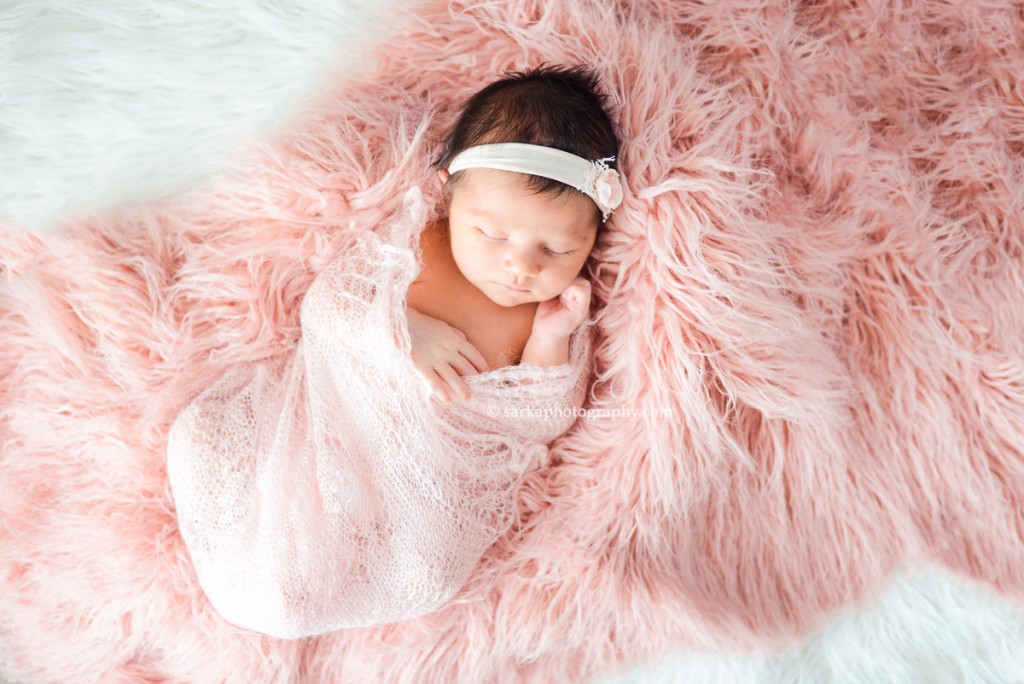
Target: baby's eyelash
point(553, 253)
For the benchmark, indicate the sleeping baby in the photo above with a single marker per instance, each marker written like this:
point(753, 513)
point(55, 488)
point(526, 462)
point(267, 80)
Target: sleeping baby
point(326, 490)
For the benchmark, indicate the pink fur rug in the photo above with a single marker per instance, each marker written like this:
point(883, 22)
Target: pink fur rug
point(817, 271)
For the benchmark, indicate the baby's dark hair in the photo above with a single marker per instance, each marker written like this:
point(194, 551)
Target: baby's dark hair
point(555, 106)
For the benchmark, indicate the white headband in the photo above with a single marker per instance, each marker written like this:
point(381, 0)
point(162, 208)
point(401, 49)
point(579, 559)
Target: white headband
point(593, 178)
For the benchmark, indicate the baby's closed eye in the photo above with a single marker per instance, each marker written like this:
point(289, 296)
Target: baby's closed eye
point(547, 250)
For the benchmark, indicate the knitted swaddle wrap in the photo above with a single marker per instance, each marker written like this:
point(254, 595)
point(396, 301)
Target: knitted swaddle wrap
point(328, 490)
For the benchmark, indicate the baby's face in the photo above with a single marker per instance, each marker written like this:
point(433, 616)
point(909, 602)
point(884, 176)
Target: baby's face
point(514, 245)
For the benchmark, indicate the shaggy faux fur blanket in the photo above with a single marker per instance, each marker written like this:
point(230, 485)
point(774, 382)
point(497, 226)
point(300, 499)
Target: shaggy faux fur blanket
point(808, 360)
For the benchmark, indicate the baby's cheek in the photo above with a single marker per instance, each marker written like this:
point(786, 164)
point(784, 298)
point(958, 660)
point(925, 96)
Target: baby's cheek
point(568, 281)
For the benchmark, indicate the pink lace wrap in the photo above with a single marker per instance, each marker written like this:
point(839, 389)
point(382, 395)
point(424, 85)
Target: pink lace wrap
point(329, 490)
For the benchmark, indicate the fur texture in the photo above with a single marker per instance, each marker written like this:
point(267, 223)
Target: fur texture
point(816, 271)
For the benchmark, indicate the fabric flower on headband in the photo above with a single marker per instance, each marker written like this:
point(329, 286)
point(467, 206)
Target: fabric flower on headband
point(605, 190)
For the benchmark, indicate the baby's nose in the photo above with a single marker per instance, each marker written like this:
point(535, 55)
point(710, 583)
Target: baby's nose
point(522, 266)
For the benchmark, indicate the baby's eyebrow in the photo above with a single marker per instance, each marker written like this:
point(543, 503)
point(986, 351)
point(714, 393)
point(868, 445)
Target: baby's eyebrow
point(475, 211)
point(575, 238)
point(582, 235)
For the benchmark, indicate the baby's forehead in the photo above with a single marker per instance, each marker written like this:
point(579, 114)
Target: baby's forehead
point(505, 197)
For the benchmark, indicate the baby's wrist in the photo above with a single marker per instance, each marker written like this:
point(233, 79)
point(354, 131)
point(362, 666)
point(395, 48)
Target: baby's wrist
point(546, 350)
point(548, 339)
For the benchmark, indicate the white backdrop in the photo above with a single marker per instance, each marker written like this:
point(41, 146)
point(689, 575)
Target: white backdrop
point(111, 101)
point(94, 113)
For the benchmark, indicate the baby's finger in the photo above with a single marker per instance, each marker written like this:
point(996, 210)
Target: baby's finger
point(437, 385)
point(580, 289)
point(460, 388)
point(456, 385)
point(579, 305)
point(463, 366)
point(474, 356)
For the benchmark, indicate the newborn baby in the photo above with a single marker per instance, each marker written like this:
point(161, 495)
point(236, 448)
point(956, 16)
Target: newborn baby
point(324, 490)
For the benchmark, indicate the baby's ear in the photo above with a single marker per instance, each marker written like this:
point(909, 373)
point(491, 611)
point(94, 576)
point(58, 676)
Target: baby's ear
point(442, 176)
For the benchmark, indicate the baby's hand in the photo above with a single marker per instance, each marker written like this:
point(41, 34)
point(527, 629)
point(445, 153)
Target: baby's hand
point(442, 354)
point(557, 318)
